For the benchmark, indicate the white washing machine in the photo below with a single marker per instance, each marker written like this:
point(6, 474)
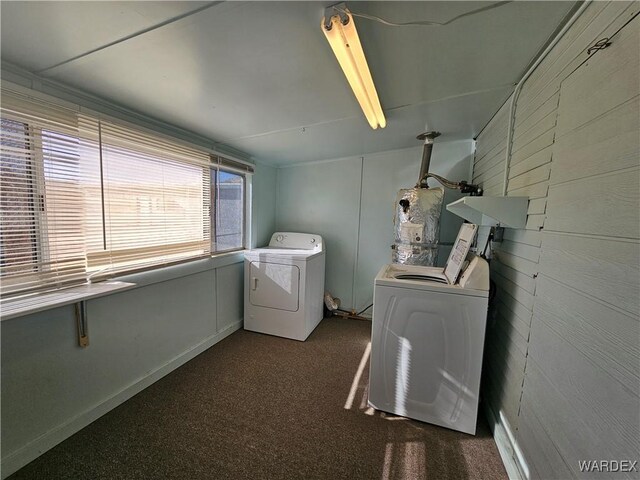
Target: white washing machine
point(284, 285)
point(428, 338)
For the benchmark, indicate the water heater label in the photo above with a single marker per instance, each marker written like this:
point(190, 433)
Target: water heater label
point(411, 232)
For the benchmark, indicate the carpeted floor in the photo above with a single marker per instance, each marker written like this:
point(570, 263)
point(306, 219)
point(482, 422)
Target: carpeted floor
point(261, 407)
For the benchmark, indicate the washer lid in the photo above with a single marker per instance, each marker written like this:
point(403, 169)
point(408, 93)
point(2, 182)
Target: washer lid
point(431, 279)
point(459, 252)
point(419, 277)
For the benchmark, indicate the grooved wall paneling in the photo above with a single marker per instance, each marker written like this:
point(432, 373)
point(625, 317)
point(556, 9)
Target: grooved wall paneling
point(567, 307)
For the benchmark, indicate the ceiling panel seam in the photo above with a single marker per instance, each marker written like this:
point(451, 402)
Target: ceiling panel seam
point(130, 36)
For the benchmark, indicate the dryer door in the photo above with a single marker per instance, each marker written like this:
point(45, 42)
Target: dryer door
point(274, 285)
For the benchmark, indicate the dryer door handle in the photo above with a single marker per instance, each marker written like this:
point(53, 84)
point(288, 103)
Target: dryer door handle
point(254, 283)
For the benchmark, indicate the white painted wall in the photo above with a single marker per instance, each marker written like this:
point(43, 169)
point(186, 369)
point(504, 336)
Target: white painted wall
point(51, 387)
point(263, 206)
point(350, 202)
point(323, 198)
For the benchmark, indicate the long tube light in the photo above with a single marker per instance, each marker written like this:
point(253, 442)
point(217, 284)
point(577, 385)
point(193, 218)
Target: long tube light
point(340, 30)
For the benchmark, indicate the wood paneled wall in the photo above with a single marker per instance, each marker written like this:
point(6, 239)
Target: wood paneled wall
point(562, 354)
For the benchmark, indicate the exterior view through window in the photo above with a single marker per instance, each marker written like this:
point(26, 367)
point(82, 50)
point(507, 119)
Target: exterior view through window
point(229, 211)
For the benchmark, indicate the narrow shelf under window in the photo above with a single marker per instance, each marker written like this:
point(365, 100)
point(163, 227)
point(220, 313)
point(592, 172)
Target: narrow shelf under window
point(37, 302)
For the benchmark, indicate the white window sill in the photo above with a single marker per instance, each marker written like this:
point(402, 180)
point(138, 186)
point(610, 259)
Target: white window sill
point(37, 302)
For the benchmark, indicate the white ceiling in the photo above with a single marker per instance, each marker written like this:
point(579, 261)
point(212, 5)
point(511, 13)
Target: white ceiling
point(260, 76)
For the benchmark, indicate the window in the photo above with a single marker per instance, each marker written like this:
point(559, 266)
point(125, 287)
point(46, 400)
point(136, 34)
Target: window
point(80, 196)
point(228, 180)
point(41, 205)
point(156, 201)
point(18, 199)
point(229, 211)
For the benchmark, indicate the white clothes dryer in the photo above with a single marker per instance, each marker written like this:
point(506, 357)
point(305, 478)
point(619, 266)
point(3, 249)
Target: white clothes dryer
point(428, 339)
point(284, 285)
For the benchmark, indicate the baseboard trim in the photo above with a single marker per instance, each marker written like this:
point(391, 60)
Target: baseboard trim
point(510, 453)
point(32, 450)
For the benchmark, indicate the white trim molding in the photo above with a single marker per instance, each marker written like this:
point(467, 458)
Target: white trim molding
point(511, 455)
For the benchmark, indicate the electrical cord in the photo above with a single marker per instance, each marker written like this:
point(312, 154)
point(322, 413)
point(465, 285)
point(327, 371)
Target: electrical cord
point(365, 309)
point(421, 23)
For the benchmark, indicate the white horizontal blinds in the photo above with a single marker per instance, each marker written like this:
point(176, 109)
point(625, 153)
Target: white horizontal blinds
point(151, 144)
point(42, 188)
point(156, 201)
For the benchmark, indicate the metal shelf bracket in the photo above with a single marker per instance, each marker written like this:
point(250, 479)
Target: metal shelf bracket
point(81, 323)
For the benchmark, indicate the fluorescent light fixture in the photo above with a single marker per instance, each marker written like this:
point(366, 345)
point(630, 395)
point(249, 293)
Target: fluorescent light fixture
point(339, 28)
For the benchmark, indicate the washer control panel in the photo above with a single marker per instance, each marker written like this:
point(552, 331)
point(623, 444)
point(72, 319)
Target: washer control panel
point(302, 241)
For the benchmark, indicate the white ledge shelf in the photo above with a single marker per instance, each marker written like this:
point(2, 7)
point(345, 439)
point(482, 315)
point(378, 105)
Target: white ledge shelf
point(510, 212)
point(37, 302)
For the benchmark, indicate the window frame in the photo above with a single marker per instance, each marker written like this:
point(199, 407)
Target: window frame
point(39, 195)
point(215, 170)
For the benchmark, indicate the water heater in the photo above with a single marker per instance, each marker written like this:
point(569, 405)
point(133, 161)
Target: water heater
point(417, 216)
point(417, 226)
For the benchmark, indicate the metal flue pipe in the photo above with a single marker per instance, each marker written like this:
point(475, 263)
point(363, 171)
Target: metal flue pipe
point(426, 156)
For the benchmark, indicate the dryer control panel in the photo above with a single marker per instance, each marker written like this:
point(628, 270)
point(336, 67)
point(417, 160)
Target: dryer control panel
point(298, 241)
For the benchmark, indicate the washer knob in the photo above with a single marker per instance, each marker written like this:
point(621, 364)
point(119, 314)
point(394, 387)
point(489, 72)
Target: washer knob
point(313, 240)
point(279, 238)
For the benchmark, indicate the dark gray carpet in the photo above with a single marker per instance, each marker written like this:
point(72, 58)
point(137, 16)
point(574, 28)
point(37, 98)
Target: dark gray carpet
point(261, 407)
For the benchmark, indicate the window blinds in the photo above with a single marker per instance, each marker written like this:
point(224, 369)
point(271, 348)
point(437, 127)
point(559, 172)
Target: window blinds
point(157, 201)
point(43, 183)
point(82, 196)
